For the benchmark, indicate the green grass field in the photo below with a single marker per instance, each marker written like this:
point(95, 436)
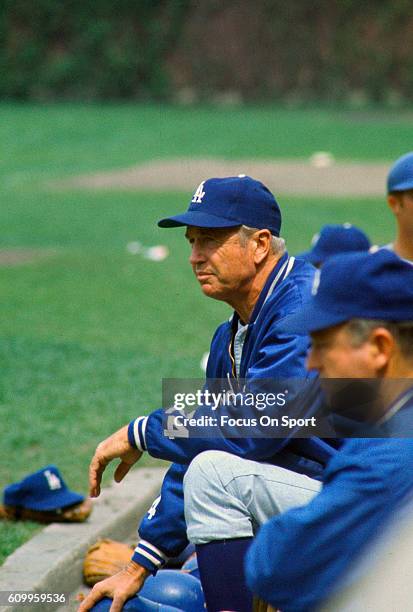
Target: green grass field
point(88, 332)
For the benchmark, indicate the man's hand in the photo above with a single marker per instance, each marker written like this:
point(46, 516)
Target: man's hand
point(116, 446)
point(120, 587)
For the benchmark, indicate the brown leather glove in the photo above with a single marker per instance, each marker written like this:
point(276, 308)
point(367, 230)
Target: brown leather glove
point(260, 606)
point(105, 558)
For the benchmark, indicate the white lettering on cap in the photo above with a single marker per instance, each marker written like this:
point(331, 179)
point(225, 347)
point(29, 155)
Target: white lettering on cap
point(52, 480)
point(199, 194)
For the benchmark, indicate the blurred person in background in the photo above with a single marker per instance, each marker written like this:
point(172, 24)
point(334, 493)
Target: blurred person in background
point(333, 239)
point(400, 200)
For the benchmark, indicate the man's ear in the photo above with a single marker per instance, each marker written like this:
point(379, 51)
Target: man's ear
point(382, 347)
point(395, 203)
point(262, 239)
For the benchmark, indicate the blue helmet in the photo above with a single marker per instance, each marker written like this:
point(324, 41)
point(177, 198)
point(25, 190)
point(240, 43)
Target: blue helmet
point(168, 591)
point(400, 177)
point(175, 588)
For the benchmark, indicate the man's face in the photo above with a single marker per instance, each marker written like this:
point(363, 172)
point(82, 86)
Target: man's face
point(222, 263)
point(402, 206)
point(335, 355)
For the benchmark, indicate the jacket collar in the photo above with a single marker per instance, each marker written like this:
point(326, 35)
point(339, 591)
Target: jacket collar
point(279, 272)
point(281, 269)
point(400, 402)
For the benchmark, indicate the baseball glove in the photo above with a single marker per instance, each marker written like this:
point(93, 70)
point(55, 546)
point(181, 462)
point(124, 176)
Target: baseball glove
point(71, 514)
point(104, 559)
point(260, 606)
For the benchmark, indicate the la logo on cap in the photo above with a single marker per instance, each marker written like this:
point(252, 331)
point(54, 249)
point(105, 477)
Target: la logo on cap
point(53, 481)
point(316, 282)
point(199, 194)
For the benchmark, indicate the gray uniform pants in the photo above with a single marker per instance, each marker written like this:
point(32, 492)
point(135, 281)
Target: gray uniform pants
point(228, 497)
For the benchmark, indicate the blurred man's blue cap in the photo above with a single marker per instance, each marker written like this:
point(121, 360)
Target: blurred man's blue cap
point(334, 239)
point(356, 286)
point(230, 202)
point(44, 490)
point(400, 177)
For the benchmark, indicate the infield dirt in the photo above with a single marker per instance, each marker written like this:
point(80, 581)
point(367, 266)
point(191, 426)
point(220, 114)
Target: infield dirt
point(21, 256)
point(291, 177)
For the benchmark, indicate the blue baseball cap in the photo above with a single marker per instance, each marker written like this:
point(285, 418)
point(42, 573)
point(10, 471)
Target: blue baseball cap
point(356, 285)
point(333, 239)
point(230, 202)
point(400, 176)
point(44, 490)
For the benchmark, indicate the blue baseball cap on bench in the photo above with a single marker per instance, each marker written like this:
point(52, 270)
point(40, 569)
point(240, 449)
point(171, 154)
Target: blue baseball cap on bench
point(45, 490)
point(356, 286)
point(230, 202)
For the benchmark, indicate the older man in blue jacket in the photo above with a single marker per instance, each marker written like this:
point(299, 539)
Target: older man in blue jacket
point(232, 226)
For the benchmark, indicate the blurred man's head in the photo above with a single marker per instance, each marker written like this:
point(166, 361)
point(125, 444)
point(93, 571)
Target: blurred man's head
point(400, 200)
point(334, 239)
point(363, 348)
point(400, 177)
point(360, 317)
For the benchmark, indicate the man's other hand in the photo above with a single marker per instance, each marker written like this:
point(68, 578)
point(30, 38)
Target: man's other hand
point(115, 447)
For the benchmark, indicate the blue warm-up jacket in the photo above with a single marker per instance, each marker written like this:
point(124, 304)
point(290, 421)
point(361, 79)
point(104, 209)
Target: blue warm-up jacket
point(268, 353)
point(301, 557)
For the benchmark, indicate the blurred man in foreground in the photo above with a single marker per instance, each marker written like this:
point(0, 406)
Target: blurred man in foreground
point(361, 323)
point(361, 327)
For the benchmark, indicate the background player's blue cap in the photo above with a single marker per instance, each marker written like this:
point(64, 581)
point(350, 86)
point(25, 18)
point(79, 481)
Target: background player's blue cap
point(229, 202)
point(357, 285)
point(44, 490)
point(400, 176)
point(334, 239)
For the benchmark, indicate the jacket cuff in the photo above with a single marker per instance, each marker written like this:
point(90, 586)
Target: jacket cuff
point(136, 433)
point(149, 556)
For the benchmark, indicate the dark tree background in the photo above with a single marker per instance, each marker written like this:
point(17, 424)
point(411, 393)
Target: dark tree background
point(194, 50)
